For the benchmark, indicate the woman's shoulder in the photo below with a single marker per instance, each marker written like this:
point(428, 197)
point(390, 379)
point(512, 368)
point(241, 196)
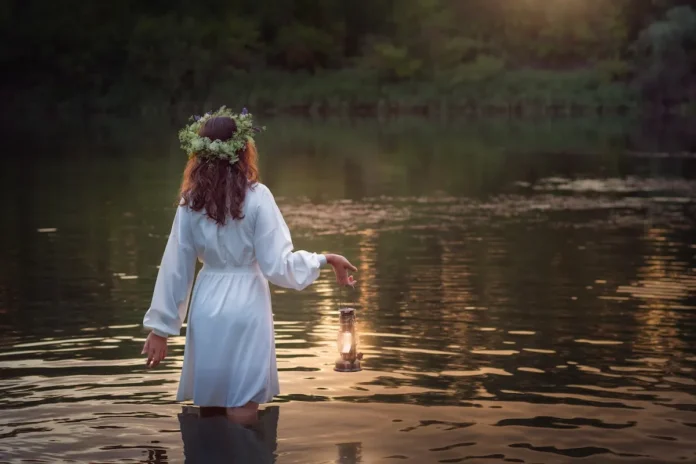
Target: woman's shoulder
point(258, 195)
point(259, 187)
point(259, 191)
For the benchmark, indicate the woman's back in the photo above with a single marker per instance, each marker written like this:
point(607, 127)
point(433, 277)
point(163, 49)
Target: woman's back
point(259, 242)
point(230, 245)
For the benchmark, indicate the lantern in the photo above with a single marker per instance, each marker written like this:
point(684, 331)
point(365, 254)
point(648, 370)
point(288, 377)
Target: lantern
point(349, 358)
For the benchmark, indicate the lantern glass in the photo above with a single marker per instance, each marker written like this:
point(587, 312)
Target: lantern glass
point(347, 342)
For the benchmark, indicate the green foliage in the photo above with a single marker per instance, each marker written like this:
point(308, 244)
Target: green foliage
point(481, 69)
point(614, 69)
point(392, 62)
point(561, 53)
point(667, 63)
point(304, 47)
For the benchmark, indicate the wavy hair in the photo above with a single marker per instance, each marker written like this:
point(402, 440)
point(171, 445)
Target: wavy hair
point(215, 185)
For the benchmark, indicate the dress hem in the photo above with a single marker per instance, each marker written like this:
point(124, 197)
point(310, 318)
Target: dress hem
point(265, 400)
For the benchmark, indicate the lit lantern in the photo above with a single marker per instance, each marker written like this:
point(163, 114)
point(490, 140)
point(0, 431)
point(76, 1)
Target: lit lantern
point(349, 358)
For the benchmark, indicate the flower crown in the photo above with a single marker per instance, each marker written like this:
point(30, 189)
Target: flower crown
point(195, 145)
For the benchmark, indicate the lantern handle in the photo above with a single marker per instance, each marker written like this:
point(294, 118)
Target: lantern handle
point(340, 295)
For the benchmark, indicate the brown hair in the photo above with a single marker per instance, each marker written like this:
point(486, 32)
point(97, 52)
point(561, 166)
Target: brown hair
point(215, 185)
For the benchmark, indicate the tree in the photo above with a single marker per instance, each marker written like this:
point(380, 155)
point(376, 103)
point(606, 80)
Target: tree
point(666, 53)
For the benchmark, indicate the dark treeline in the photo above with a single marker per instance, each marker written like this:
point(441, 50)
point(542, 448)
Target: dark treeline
point(514, 56)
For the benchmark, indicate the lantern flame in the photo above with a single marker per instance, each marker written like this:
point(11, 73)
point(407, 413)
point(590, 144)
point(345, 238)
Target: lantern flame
point(347, 342)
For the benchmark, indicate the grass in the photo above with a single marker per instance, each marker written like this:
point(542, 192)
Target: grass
point(521, 92)
point(524, 93)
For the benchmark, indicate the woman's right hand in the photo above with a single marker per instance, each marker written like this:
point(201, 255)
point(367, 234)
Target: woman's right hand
point(341, 266)
point(155, 348)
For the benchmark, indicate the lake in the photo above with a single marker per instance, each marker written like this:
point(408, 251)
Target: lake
point(527, 293)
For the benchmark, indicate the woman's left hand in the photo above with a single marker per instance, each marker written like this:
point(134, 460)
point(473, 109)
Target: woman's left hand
point(341, 266)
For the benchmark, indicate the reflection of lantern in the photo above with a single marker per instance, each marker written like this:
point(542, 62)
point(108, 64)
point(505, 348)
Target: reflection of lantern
point(349, 358)
point(349, 453)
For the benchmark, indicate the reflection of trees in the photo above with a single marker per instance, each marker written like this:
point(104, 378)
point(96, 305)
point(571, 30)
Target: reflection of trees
point(354, 179)
point(413, 157)
point(513, 277)
point(547, 271)
point(64, 280)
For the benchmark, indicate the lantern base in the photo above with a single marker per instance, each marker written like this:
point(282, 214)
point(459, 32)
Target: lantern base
point(347, 366)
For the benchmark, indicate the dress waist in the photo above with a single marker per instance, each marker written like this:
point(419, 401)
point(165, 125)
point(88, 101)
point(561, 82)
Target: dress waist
point(241, 269)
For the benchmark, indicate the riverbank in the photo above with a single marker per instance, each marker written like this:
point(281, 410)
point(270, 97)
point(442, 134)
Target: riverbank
point(523, 93)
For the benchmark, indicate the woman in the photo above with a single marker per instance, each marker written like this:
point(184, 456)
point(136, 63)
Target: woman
point(231, 223)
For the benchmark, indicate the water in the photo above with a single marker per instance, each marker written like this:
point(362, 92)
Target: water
point(527, 294)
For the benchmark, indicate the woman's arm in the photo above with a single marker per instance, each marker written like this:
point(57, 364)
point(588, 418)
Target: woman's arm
point(170, 299)
point(274, 251)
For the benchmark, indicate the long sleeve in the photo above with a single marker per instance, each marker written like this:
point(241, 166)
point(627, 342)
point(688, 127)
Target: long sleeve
point(274, 249)
point(174, 280)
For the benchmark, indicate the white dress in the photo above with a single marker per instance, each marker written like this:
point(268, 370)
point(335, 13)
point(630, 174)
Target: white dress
point(229, 358)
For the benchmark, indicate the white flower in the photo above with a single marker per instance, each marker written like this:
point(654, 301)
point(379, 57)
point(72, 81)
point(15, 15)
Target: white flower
point(197, 144)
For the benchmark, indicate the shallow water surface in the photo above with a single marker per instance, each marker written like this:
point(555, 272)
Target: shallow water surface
point(527, 293)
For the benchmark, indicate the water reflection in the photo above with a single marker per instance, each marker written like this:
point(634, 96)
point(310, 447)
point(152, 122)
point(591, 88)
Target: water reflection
point(211, 438)
point(525, 294)
point(349, 453)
